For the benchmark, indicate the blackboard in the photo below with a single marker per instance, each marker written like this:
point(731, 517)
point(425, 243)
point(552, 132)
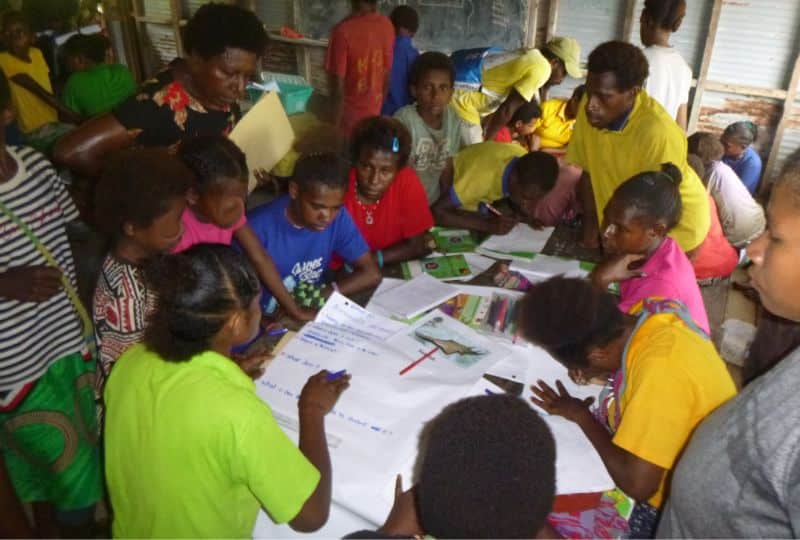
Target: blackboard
point(445, 25)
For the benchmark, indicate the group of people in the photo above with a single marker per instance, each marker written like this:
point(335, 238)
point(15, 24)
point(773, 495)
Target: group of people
point(161, 366)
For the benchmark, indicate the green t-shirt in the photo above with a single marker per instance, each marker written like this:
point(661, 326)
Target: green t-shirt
point(191, 451)
point(98, 89)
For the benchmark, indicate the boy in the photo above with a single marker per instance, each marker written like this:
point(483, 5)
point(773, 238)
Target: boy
point(554, 128)
point(509, 501)
point(138, 204)
point(406, 22)
point(434, 125)
point(47, 414)
point(94, 87)
point(36, 107)
point(486, 172)
point(302, 230)
point(741, 216)
point(359, 61)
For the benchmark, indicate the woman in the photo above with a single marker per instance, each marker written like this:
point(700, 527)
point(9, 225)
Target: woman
point(665, 377)
point(746, 452)
point(384, 196)
point(196, 95)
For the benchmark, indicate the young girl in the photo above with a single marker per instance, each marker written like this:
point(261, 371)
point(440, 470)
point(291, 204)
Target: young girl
point(739, 154)
point(216, 210)
point(385, 197)
point(522, 126)
point(191, 450)
point(670, 76)
point(641, 257)
point(138, 204)
point(666, 377)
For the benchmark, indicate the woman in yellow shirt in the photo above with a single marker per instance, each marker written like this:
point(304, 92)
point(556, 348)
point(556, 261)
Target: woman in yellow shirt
point(555, 125)
point(664, 377)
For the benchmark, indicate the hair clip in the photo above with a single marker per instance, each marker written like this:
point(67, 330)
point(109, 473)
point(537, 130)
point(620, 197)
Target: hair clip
point(395, 145)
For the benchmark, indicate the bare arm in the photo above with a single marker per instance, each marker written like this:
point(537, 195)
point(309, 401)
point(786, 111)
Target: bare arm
point(446, 214)
point(406, 250)
point(84, 148)
point(682, 117)
point(366, 274)
point(27, 82)
point(591, 228)
point(336, 86)
point(502, 116)
point(268, 274)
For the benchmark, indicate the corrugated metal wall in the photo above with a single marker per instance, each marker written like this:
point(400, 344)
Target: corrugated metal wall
point(591, 22)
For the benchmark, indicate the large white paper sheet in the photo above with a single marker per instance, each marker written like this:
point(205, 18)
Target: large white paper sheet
point(416, 296)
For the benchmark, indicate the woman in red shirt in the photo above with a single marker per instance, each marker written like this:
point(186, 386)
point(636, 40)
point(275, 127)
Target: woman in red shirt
point(385, 197)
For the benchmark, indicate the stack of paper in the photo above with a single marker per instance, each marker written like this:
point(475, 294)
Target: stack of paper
point(543, 267)
point(523, 242)
point(414, 297)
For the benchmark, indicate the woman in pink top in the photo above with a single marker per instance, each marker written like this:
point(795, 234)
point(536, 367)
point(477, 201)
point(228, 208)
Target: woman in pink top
point(640, 256)
point(215, 213)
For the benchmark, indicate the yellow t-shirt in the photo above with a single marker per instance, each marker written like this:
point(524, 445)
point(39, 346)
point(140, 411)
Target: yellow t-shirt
point(648, 139)
point(523, 71)
point(553, 128)
point(480, 172)
point(32, 112)
point(674, 379)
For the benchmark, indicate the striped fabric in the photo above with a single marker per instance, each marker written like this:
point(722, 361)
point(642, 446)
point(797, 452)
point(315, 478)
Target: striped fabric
point(34, 335)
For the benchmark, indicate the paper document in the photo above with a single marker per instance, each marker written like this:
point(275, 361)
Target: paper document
point(543, 267)
point(523, 242)
point(264, 134)
point(415, 296)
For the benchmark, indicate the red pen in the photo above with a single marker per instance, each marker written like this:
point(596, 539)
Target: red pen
point(413, 364)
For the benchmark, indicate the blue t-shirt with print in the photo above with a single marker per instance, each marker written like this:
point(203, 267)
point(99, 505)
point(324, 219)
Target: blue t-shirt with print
point(299, 253)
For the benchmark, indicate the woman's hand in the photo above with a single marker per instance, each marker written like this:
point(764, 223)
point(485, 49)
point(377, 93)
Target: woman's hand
point(616, 269)
point(560, 403)
point(320, 394)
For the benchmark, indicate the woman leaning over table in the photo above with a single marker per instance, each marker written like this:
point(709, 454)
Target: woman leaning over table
point(194, 95)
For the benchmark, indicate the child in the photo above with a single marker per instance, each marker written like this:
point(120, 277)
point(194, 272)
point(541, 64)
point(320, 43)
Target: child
point(190, 449)
point(716, 257)
point(216, 210)
point(385, 198)
point(486, 172)
point(94, 87)
point(305, 228)
point(511, 501)
point(359, 61)
point(670, 76)
point(666, 377)
point(522, 126)
point(138, 204)
point(737, 139)
point(557, 121)
point(641, 257)
point(47, 411)
point(405, 21)
point(36, 107)
point(741, 216)
point(433, 122)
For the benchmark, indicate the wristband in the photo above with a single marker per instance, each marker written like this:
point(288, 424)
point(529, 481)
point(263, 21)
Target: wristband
point(379, 254)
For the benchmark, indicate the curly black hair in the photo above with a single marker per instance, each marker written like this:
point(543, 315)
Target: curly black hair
point(137, 186)
point(381, 133)
point(655, 195)
point(666, 14)
point(526, 112)
point(325, 168)
point(405, 17)
point(627, 62)
point(92, 46)
point(486, 469)
point(431, 61)
point(198, 289)
point(537, 168)
point(568, 317)
point(213, 158)
point(216, 27)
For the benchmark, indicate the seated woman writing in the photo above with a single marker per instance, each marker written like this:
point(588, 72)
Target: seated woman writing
point(195, 95)
point(384, 196)
point(664, 376)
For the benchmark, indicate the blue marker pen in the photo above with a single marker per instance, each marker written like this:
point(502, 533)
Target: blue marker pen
point(334, 376)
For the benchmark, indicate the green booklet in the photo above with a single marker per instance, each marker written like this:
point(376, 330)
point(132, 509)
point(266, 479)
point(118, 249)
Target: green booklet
point(453, 240)
point(444, 267)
